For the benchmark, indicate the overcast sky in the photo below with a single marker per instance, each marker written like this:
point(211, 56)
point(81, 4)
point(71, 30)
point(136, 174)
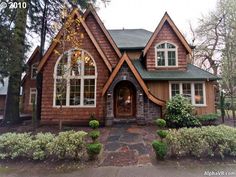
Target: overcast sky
point(147, 14)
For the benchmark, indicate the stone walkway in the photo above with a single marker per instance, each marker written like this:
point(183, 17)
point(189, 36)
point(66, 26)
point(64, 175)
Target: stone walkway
point(128, 145)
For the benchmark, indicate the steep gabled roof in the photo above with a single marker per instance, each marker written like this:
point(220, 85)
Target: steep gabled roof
point(100, 23)
point(166, 18)
point(125, 58)
point(74, 14)
point(35, 52)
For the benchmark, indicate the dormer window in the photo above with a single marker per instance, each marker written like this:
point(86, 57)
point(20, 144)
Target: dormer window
point(166, 54)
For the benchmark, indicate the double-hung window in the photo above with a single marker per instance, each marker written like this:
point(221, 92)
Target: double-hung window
point(75, 78)
point(194, 91)
point(34, 70)
point(33, 96)
point(166, 54)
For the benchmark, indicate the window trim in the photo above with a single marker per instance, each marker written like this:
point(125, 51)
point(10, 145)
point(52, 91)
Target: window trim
point(30, 95)
point(165, 50)
point(192, 91)
point(33, 66)
point(83, 77)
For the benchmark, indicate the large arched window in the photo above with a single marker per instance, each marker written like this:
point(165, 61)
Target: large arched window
point(75, 75)
point(166, 54)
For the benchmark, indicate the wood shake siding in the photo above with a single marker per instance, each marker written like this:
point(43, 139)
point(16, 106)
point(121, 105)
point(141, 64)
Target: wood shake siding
point(50, 113)
point(160, 89)
point(167, 34)
point(102, 40)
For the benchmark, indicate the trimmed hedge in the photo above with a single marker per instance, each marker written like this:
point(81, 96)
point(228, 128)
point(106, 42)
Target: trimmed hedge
point(69, 144)
point(202, 142)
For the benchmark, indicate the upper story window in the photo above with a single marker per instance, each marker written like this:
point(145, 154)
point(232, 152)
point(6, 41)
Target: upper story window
point(34, 70)
point(33, 96)
point(75, 76)
point(166, 54)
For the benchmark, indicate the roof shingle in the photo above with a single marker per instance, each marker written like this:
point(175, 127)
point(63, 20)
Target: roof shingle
point(193, 73)
point(130, 38)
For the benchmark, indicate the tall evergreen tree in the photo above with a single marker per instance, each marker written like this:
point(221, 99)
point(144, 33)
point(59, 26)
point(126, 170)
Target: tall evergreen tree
point(15, 60)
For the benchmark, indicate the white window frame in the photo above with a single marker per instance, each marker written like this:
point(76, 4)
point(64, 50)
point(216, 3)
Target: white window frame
point(69, 77)
point(33, 66)
point(32, 91)
point(165, 50)
point(192, 91)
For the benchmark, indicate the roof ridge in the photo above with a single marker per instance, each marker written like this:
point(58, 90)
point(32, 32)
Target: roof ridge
point(129, 29)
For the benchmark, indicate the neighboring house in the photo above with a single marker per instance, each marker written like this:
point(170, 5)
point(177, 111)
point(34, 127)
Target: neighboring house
point(3, 94)
point(29, 91)
point(122, 74)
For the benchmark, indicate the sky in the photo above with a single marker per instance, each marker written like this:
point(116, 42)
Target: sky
point(147, 14)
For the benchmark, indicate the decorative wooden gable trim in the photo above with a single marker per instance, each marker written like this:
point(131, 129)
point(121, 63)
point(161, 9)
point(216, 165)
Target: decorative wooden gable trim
point(125, 58)
point(100, 23)
point(74, 14)
point(166, 18)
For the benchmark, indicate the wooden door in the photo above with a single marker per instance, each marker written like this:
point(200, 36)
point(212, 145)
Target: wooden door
point(124, 102)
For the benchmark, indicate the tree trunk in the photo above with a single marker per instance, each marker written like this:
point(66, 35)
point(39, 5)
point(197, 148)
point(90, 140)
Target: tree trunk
point(39, 79)
point(233, 109)
point(11, 114)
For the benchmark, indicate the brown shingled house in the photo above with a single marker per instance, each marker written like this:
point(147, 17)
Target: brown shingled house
point(127, 74)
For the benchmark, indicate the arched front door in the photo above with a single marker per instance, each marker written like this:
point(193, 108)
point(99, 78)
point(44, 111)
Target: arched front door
point(124, 100)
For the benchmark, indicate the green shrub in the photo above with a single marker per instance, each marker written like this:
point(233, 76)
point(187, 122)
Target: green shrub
point(161, 123)
point(201, 142)
point(179, 113)
point(94, 134)
point(162, 133)
point(14, 145)
point(94, 124)
point(39, 145)
point(160, 149)
point(69, 144)
point(94, 149)
point(207, 118)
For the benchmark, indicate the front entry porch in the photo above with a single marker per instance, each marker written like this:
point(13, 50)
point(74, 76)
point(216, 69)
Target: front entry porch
point(126, 100)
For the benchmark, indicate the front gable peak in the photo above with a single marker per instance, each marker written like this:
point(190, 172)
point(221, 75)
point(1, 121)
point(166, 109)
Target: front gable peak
point(166, 19)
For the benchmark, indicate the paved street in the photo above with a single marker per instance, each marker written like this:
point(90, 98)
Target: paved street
point(161, 170)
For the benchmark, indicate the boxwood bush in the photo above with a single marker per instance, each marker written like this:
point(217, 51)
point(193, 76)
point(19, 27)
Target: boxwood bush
point(94, 124)
point(202, 142)
point(94, 149)
point(160, 149)
point(208, 119)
